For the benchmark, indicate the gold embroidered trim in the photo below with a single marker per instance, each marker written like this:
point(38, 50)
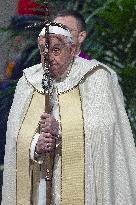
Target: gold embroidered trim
point(72, 185)
point(23, 145)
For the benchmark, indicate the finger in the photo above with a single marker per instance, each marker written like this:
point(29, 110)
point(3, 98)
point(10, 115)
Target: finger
point(46, 130)
point(45, 120)
point(49, 147)
point(43, 136)
point(46, 147)
point(52, 125)
point(49, 118)
point(50, 136)
point(48, 150)
point(55, 131)
point(45, 115)
point(46, 124)
point(46, 141)
point(47, 136)
point(41, 122)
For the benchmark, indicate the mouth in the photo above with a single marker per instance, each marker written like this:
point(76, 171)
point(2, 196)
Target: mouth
point(53, 70)
point(52, 64)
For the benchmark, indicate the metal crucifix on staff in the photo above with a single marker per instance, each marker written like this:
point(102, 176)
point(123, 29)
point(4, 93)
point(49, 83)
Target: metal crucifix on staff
point(48, 162)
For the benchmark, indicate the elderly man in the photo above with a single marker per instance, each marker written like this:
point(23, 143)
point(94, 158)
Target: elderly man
point(97, 162)
point(77, 26)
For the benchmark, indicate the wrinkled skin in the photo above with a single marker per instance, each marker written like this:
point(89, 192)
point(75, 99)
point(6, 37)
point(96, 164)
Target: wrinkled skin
point(71, 23)
point(49, 129)
point(60, 54)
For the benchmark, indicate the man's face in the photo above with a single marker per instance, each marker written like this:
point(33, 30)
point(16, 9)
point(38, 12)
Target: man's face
point(60, 54)
point(71, 23)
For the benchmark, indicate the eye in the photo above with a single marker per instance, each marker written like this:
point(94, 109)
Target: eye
point(56, 50)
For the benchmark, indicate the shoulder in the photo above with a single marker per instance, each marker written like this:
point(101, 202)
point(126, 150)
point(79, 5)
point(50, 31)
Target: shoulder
point(91, 65)
point(30, 71)
point(23, 89)
point(94, 69)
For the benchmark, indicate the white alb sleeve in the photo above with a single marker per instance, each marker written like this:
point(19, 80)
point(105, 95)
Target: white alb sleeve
point(33, 145)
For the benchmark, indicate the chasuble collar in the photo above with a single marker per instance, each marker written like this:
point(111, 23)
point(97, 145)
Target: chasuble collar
point(77, 73)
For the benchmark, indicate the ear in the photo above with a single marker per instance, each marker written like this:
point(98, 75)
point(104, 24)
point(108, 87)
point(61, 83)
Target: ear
point(82, 36)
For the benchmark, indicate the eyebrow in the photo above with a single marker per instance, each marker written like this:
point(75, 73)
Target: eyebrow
point(58, 37)
point(57, 44)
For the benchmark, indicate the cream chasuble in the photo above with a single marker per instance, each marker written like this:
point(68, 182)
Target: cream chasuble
point(72, 160)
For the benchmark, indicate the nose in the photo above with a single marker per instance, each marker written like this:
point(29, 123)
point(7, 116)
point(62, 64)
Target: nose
point(51, 58)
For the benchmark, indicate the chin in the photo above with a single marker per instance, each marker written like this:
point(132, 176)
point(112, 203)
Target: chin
point(54, 76)
point(54, 73)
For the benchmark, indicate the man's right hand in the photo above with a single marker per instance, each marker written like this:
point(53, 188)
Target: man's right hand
point(46, 143)
point(49, 129)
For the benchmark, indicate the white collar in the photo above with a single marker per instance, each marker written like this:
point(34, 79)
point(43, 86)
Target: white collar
point(79, 69)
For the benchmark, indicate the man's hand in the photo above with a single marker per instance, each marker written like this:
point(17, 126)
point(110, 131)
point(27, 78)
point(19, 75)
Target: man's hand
point(49, 130)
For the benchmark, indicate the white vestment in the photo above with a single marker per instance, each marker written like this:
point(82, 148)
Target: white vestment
point(110, 156)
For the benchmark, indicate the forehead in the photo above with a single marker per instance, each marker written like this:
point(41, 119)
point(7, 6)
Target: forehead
point(68, 21)
point(56, 39)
